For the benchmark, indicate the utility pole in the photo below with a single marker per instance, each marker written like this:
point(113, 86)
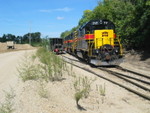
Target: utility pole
point(30, 32)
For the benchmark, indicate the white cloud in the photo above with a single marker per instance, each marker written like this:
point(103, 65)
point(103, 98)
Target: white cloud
point(65, 9)
point(60, 18)
point(45, 11)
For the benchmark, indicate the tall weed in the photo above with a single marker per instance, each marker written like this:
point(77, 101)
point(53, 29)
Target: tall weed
point(27, 69)
point(49, 66)
point(82, 87)
point(52, 66)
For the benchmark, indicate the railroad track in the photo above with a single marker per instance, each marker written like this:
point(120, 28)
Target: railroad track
point(130, 79)
point(136, 82)
point(127, 70)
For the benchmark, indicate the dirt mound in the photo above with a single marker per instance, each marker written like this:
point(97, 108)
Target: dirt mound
point(23, 46)
point(3, 47)
point(137, 60)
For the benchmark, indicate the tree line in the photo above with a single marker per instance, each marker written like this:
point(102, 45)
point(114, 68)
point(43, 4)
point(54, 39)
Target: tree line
point(33, 37)
point(131, 18)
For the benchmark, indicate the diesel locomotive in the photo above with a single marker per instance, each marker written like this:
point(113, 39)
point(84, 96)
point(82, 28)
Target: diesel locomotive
point(96, 42)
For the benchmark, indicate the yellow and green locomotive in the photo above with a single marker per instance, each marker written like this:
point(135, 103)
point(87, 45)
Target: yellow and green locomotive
point(96, 42)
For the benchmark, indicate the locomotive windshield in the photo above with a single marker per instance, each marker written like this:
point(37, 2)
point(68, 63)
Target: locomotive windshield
point(102, 26)
point(99, 25)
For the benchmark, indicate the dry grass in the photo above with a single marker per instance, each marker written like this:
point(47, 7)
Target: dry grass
point(7, 105)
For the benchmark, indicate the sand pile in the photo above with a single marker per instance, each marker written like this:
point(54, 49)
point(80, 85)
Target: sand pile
point(23, 46)
point(3, 47)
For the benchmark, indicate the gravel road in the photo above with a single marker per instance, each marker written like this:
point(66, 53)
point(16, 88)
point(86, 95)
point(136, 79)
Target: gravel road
point(8, 70)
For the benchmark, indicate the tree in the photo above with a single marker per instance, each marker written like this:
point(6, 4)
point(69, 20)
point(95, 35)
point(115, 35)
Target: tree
point(86, 17)
point(35, 37)
point(65, 33)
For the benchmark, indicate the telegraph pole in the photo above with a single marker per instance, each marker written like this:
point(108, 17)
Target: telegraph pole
point(30, 32)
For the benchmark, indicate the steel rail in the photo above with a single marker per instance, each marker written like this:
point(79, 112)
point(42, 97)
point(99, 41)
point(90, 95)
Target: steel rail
point(121, 85)
point(139, 80)
point(142, 75)
point(119, 75)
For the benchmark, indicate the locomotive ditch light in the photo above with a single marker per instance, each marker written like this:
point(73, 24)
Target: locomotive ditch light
point(97, 51)
point(116, 51)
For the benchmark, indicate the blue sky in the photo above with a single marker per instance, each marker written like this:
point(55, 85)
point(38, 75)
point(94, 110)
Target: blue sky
point(50, 17)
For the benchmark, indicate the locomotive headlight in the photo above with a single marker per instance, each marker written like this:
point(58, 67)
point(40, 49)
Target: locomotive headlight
point(96, 51)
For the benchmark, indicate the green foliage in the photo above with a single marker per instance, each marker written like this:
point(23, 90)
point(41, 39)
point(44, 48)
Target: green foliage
point(66, 33)
point(7, 37)
point(35, 38)
point(86, 17)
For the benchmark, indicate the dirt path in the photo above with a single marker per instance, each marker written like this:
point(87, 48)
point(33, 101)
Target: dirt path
point(8, 70)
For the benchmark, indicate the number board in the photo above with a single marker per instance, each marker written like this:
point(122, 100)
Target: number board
point(99, 22)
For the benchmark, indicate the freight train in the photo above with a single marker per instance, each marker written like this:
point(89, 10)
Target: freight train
point(96, 42)
point(56, 45)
